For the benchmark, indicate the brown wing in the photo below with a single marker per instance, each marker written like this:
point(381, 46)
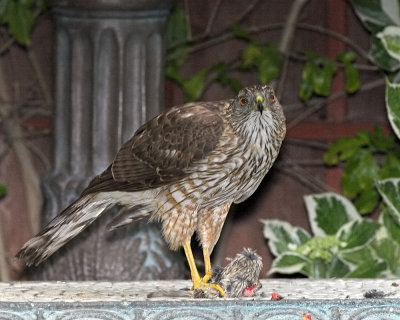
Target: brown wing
point(162, 150)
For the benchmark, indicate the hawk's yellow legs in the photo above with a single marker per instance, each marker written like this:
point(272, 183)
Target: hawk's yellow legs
point(200, 283)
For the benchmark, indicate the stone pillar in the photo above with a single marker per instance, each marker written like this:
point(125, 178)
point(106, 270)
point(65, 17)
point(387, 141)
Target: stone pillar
point(109, 80)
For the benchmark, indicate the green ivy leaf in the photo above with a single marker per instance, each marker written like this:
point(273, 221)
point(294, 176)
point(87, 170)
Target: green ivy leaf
point(265, 58)
point(251, 56)
point(357, 255)
point(357, 233)
point(393, 105)
point(177, 33)
point(367, 200)
point(270, 64)
point(347, 57)
point(369, 269)
point(328, 212)
point(291, 262)
point(359, 174)
point(391, 167)
point(177, 25)
point(390, 192)
point(380, 141)
point(20, 21)
point(282, 236)
point(353, 82)
point(389, 251)
point(240, 33)
point(381, 57)
point(3, 190)
point(322, 79)
point(307, 81)
point(374, 13)
point(331, 214)
point(194, 87)
point(337, 268)
point(172, 72)
point(391, 224)
point(267, 70)
point(390, 38)
point(344, 148)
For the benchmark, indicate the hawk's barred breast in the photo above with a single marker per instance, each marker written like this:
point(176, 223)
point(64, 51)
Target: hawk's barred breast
point(230, 173)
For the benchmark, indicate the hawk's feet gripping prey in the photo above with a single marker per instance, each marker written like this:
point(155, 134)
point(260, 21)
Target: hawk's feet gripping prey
point(203, 284)
point(198, 282)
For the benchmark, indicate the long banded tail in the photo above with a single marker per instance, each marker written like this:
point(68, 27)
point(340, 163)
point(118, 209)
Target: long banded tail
point(63, 228)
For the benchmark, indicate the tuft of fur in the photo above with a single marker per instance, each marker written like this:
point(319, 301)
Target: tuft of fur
point(63, 228)
point(240, 278)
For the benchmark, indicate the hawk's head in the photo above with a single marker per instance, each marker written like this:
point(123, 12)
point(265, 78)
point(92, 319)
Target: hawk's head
point(257, 107)
point(256, 99)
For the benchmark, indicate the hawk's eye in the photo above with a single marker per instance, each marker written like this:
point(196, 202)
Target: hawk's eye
point(243, 101)
point(272, 97)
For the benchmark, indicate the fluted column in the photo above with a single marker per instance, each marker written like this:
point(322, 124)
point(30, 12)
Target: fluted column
point(109, 80)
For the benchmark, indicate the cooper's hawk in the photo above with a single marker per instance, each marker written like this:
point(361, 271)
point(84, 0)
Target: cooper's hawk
point(183, 168)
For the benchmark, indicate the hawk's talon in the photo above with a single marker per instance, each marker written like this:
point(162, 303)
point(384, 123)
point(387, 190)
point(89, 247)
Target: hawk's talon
point(203, 284)
point(207, 277)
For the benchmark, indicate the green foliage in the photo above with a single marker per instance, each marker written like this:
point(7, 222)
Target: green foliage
point(381, 58)
point(283, 237)
point(390, 191)
point(376, 15)
point(317, 76)
point(387, 243)
point(367, 158)
point(357, 248)
point(330, 214)
point(3, 190)
point(264, 58)
point(319, 248)
point(221, 74)
point(344, 243)
point(194, 86)
point(241, 33)
point(351, 73)
point(393, 105)
point(318, 73)
point(19, 16)
point(390, 38)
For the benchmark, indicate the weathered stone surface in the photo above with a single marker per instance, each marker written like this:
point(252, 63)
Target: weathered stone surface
point(328, 299)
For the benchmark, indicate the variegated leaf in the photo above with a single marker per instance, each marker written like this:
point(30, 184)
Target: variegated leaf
point(328, 212)
point(282, 236)
point(390, 192)
point(390, 38)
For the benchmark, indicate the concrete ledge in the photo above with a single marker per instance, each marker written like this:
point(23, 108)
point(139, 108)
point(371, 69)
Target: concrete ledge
point(328, 299)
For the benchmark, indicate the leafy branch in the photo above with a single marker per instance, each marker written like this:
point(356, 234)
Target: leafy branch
point(268, 60)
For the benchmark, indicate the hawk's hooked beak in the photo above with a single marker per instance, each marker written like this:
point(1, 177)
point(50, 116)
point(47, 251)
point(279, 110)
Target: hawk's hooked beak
point(260, 103)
